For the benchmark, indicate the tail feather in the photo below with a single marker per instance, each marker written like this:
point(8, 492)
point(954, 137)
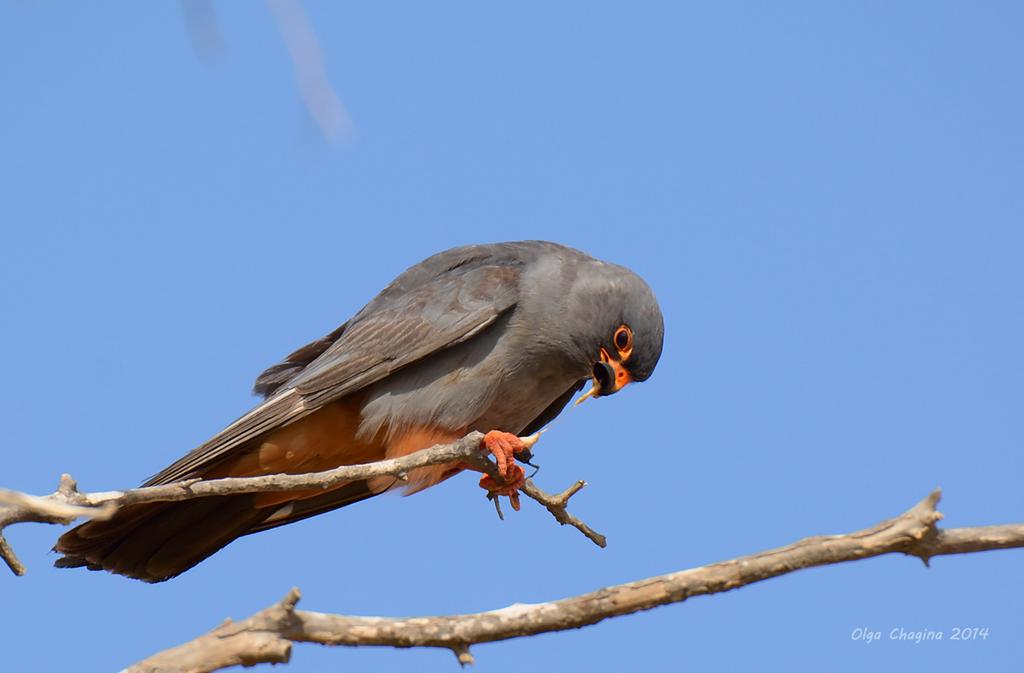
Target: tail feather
point(193, 538)
point(154, 542)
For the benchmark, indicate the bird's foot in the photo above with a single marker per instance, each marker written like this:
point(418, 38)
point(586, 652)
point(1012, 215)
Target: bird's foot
point(504, 446)
point(510, 488)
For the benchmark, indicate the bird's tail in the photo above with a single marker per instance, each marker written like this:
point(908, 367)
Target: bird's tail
point(156, 541)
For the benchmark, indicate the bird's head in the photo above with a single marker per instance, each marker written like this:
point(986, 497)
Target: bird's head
point(626, 329)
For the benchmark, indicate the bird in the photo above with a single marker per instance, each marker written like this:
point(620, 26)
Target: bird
point(496, 338)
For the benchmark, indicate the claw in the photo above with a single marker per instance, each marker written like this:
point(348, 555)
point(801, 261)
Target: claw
point(497, 505)
point(505, 446)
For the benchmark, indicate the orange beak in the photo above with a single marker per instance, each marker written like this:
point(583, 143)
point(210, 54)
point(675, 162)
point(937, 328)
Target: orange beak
point(620, 379)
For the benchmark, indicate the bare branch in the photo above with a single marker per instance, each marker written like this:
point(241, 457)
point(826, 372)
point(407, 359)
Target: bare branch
point(10, 558)
point(556, 504)
point(266, 636)
point(67, 503)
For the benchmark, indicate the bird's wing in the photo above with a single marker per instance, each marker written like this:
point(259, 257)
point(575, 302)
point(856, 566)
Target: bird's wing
point(454, 261)
point(404, 324)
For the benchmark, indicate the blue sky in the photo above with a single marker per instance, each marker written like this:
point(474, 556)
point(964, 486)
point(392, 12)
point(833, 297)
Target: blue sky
point(826, 198)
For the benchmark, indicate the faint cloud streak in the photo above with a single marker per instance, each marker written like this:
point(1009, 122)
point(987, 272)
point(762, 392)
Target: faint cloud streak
point(323, 103)
point(319, 98)
point(203, 29)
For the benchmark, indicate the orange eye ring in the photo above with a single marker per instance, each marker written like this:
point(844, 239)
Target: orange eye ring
point(623, 340)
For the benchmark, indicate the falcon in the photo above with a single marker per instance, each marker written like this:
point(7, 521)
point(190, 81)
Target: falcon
point(496, 338)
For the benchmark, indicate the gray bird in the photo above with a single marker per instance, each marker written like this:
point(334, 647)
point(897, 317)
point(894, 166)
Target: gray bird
point(481, 337)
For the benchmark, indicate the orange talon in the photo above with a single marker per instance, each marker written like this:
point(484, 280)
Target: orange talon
point(504, 446)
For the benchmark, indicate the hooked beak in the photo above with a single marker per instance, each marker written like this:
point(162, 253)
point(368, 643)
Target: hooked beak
point(609, 377)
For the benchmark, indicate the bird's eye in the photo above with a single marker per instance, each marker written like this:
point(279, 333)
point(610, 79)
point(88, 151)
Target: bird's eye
point(624, 340)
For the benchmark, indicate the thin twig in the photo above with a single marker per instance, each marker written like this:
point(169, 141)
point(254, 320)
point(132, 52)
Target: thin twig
point(556, 504)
